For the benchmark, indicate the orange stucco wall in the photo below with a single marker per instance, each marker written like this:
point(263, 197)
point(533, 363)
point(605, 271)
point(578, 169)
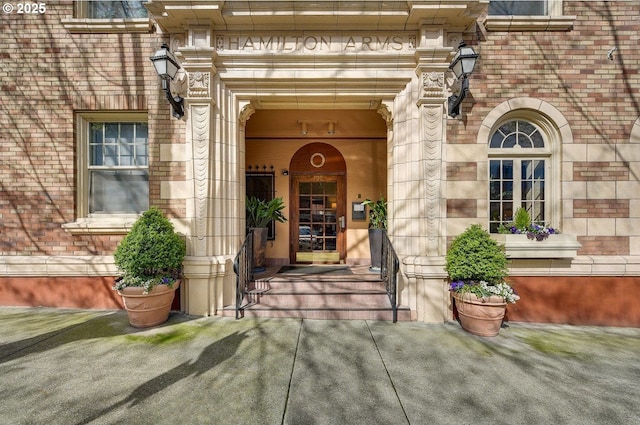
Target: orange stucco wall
point(361, 139)
point(577, 300)
point(63, 292)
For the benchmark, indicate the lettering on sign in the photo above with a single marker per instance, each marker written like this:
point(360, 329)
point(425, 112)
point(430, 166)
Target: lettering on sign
point(325, 43)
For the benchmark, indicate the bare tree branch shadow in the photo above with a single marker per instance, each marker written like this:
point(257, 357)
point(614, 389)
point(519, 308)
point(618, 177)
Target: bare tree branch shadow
point(211, 357)
point(107, 325)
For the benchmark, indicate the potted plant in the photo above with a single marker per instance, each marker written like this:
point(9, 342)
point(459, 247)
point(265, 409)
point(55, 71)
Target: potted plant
point(522, 224)
point(517, 235)
point(377, 225)
point(477, 267)
point(259, 214)
point(149, 259)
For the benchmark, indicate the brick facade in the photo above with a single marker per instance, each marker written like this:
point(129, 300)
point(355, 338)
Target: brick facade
point(49, 74)
point(603, 208)
point(462, 171)
point(598, 97)
point(600, 171)
point(437, 167)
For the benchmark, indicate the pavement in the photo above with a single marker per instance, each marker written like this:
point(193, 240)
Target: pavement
point(90, 367)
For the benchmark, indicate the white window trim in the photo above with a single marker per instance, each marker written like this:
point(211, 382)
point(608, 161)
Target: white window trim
point(555, 129)
point(517, 159)
point(82, 25)
point(107, 26)
point(554, 21)
point(86, 223)
point(517, 155)
point(556, 132)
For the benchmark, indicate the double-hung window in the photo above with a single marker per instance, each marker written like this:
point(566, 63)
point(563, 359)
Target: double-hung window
point(109, 9)
point(519, 165)
point(518, 7)
point(108, 16)
point(533, 15)
point(118, 167)
point(113, 163)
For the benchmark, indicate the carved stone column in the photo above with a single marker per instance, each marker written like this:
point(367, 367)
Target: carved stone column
point(431, 107)
point(424, 287)
point(432, 64)
point(205, 269)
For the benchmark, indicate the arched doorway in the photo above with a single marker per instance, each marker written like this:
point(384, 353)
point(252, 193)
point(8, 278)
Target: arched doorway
point(318, 205)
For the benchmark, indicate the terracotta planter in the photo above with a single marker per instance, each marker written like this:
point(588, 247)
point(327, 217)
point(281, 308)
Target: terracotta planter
point(146, 310)
point(479, 317)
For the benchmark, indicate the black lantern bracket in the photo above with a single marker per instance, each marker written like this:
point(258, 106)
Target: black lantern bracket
point(167, 67)
point(176, 102)
point(462, 66)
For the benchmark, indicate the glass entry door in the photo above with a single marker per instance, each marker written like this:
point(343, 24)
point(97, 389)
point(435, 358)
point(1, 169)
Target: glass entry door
point(319, 219)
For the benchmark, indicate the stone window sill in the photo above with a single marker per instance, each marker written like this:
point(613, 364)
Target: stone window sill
point(103, 26)
point(555, 246)
point(108, 225)
point(529, 23)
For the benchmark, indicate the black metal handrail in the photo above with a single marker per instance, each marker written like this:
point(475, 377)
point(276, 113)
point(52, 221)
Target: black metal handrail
point(389, 271)
point(243, 268)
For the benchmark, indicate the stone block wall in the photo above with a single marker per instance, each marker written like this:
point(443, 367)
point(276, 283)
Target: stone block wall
point(598, 97)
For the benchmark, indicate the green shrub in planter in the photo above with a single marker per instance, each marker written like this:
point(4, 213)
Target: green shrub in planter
point(150, 254)
point(474, 257)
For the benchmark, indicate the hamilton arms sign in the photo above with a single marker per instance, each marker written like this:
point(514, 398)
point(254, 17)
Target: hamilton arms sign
point(317, 43)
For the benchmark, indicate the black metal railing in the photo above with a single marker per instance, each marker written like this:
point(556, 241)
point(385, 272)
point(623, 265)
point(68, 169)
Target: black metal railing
point(388, 273)
point(243, 268)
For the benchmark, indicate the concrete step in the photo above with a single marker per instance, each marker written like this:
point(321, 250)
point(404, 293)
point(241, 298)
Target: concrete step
point(323, 293)
point(319, 286)
point(404, 314)
point(339, 300)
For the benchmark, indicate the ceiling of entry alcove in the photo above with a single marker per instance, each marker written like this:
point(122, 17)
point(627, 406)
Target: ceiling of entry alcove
point(285, 123)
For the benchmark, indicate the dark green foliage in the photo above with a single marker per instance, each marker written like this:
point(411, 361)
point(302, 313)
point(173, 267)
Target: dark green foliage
point(151, 253)
point(377, 213)
point(522, 219)
point(474, 256)
point(260, 212)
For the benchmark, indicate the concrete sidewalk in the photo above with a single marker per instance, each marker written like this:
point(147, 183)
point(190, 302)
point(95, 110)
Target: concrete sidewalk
point(91, 367)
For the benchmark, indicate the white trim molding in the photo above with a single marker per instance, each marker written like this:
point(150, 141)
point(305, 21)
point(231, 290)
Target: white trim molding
point(559, 245)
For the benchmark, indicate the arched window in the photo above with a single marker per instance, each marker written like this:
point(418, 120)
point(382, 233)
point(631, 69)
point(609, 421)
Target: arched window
point(524, 137)
point(518, 173)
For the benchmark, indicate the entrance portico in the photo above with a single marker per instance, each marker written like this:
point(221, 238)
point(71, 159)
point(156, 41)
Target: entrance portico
point(390, 58)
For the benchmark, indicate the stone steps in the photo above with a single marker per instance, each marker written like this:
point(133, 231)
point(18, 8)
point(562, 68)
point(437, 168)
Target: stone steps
point(320, 296)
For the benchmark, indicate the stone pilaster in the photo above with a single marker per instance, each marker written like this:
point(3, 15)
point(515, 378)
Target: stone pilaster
point(423, 288)
point(207, 266)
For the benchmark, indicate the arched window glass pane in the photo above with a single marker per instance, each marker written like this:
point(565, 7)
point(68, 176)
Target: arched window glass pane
point(496, 140)
point(509, 141)
point(524, 141)
point(517, 133)
point(538, 141)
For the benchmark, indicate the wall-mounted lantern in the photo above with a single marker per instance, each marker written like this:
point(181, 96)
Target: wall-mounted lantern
point(462, 66)
point(167, 67)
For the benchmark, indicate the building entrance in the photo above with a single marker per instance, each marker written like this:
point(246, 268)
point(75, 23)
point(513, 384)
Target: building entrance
point(320, 219)
point(317, 193)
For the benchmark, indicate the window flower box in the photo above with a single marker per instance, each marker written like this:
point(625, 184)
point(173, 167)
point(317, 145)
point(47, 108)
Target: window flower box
point(559, 245)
